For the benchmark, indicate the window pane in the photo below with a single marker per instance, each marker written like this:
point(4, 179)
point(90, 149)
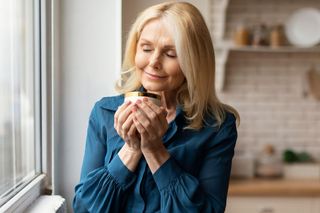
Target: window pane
point(17, 85)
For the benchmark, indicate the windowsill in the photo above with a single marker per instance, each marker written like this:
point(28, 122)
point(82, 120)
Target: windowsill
point(48, 203)
point(25, 197)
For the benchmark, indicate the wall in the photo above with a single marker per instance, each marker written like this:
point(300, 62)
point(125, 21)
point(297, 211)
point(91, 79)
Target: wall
point(271, 94)
point(89, 43)
point(269, 89)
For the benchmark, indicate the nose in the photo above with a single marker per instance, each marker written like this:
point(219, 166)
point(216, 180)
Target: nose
point(155, 60)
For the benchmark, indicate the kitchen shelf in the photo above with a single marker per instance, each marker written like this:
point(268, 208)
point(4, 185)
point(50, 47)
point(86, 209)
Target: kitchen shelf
point(229, 46)
point(224, 48)
point(217, 17)
point(274, 187)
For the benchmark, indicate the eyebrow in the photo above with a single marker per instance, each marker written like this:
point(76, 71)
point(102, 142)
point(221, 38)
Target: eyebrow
point(165, 46)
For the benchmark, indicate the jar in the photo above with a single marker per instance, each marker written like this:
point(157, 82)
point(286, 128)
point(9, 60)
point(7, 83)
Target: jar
point(260, 35)
point(242, 35)
point(268, 164)
point(276, 36)
point(137, 95)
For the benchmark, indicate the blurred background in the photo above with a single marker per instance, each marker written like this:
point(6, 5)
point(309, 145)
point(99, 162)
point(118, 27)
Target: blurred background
point(267, 67)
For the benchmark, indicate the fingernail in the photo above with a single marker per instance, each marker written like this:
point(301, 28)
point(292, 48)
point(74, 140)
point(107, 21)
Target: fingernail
point(145, 99)
point(138, 102)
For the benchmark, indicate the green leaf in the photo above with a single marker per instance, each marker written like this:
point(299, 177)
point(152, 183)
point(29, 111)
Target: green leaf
point(289, 156)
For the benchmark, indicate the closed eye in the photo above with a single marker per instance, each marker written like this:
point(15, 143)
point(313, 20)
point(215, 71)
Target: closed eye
point(171, 54)
point(146, 50)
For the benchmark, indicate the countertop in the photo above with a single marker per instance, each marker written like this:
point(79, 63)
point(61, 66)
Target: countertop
point(274, 187)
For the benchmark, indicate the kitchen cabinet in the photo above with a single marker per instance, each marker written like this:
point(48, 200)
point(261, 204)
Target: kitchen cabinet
point(273, 205)
point(273, 196)
point(222, 20)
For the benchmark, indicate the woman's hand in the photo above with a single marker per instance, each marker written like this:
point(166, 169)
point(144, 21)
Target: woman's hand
point(151, 123)
point(123, 123)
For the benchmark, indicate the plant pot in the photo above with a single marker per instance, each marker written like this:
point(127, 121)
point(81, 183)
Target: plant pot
point(301, 171)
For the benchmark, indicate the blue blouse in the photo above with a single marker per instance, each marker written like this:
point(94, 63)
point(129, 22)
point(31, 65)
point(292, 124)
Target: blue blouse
point(194, 179)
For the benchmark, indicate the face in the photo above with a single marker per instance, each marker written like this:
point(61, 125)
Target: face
point(156, 59)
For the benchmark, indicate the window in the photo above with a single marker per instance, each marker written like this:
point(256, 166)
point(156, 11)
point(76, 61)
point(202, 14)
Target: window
point(19, 95)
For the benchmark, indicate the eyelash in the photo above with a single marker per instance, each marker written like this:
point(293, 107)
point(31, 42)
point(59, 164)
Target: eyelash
point(146, 50)
point(149, 50)
point(170, 56)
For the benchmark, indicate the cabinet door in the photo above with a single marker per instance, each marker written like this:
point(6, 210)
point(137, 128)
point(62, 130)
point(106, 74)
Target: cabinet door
point(269, 205)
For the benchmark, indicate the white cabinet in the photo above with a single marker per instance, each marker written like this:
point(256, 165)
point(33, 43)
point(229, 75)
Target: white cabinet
point(237, 204)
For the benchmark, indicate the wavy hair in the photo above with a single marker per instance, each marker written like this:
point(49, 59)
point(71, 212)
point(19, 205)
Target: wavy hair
point(196, 57)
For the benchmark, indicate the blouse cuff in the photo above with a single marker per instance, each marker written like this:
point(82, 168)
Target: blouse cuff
point(121, 173)
point(167, 173)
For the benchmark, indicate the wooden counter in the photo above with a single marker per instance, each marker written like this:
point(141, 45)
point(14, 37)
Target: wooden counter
point(274, 187)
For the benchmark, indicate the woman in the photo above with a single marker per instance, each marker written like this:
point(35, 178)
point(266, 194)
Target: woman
point(140, 157)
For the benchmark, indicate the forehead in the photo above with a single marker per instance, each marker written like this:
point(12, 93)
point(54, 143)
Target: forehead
point(156, 31)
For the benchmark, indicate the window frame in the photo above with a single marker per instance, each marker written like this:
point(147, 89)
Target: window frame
point(41, 183)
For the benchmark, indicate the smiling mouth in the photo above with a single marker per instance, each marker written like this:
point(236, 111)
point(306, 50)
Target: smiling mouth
point(155, 76)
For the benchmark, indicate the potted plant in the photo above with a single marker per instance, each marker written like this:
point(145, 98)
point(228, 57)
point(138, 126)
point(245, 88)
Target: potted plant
point(300, 165)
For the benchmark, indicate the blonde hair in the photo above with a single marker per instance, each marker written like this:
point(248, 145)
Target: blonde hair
point(195, 53)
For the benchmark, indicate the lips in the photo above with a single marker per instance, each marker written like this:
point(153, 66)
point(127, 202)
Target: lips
point(154, 75)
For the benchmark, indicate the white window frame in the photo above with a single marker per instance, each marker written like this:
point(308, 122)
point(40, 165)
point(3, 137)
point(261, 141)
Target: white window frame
point(41, 184)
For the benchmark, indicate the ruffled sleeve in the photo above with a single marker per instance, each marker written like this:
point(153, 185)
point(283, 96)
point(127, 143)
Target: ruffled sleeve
point(206, 192)
point(102, 188)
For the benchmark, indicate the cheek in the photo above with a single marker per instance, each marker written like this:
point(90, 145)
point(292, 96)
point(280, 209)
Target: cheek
point(180, 78)
point(176, 70)
point(140, 60)
point(177, 75)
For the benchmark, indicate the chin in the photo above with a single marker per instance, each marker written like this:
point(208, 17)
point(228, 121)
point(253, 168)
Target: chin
point(153, 87)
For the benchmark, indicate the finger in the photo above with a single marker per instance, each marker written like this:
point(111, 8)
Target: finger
point(134, 136)
point(133, 130)
point(142, 131)
point(144, 121)
point(127, 124)
point(122, 107)
point(119, 110)
point(150, 113)
point(123, 116)
point(163, 116)
point(160, 112)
